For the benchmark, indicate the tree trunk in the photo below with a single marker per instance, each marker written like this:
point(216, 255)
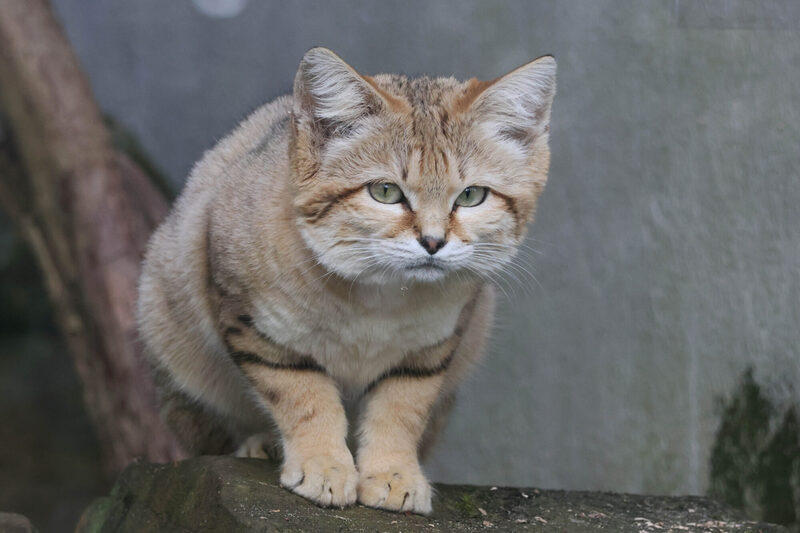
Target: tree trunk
point(87, 212)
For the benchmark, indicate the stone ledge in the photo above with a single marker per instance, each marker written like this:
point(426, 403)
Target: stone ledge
point(15, 523)
point(227, 494)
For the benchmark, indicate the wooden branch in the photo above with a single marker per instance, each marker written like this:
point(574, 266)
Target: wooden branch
point(87, 212)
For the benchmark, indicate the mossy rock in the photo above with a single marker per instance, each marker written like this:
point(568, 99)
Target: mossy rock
point(228, 494)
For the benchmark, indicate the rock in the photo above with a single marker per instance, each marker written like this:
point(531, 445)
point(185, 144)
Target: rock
point(15, 523)
point(228, 494)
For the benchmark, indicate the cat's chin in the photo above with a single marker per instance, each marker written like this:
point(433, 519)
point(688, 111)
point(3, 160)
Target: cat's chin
point(424, 273)
point(404, 276)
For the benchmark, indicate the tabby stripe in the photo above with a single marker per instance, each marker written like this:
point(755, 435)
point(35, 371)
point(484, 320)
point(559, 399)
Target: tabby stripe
point(315, 217)
point(411, 372)
point(511, 204)
point(263, 336)
point(241, 358)
point(273, 130)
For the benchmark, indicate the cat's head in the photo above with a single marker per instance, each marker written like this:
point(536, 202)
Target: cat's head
point(417, 179)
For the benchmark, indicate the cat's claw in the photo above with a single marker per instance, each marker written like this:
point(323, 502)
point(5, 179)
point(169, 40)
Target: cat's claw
point(395, 490)
point(322, 479)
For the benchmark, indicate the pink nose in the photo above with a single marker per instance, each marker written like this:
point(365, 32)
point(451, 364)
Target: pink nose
point(431, 244)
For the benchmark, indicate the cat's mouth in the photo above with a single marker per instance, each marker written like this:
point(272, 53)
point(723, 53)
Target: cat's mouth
point(425, 267)
point(430, 270)
point(429, 264)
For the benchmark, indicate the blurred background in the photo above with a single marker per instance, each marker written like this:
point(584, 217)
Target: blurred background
point(658, 349)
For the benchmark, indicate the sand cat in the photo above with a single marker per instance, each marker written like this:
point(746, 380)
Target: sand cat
point(327, 263)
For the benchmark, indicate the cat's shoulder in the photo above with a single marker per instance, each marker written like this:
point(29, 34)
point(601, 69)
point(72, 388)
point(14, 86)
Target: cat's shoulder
point(262, 133)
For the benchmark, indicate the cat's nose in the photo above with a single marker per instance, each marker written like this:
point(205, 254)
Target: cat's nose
point(432, 244)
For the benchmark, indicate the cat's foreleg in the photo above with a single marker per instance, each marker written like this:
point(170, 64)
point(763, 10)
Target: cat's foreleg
point(436, 423)
point(307, 409)
point(395, 416)
point(306, 406)
point(404, 410)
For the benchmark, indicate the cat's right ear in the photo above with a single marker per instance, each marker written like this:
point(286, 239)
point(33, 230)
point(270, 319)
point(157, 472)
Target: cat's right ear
point(329, 95)
point(516, 107)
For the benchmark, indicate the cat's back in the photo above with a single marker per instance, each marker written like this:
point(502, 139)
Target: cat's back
point(174, 314)
point(262, 135)
point(219, 184)
point(255, 150)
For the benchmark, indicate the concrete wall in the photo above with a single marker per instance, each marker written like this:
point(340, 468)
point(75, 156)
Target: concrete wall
point(668, 240)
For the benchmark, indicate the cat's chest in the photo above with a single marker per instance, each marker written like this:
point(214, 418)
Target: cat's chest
point(357, 345)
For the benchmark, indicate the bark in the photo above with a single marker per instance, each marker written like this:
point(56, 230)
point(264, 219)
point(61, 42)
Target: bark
point(87, 212)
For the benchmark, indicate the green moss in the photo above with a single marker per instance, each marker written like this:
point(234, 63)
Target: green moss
point(98, 513)
point(775, 468)
point(467, 506)
point(756, 456)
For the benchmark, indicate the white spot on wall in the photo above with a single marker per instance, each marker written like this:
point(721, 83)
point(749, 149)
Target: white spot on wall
point(220, 8)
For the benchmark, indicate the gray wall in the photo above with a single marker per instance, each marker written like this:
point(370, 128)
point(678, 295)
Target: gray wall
point(668, 237)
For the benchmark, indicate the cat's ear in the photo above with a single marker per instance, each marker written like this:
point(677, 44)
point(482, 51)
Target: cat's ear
point(331, 94)
point(516, 107)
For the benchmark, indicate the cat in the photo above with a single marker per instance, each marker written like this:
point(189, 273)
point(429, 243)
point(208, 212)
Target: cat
point(329, 260)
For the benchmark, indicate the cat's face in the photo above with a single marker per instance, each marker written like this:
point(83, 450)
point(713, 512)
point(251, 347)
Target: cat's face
point(417, 179)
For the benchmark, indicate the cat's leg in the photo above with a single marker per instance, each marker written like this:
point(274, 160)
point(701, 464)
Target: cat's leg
point(406, 407)
point(203, 429)
point(199, 430)
point(436, 422)
point(306, 407)
point(305, 404)
point(394, 419)
point(258, 446)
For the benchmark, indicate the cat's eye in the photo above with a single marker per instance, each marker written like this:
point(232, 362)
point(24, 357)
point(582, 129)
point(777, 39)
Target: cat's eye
point(385, 193)
point(472, 196)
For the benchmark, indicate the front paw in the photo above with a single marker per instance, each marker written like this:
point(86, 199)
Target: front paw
point(401, 488)
point(323, 479)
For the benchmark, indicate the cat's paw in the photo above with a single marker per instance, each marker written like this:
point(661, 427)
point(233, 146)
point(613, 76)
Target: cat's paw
point(396, 489)
point(323, 479)
point(255, 446)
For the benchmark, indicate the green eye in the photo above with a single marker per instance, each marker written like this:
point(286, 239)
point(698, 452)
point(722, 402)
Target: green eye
point(385, 193)
point(471, 196)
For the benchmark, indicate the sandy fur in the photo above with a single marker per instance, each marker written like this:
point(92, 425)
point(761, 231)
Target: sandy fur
point(278, 289)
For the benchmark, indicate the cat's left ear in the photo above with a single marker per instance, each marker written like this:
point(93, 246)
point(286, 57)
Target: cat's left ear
point(516, 107)
point(330, 94)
